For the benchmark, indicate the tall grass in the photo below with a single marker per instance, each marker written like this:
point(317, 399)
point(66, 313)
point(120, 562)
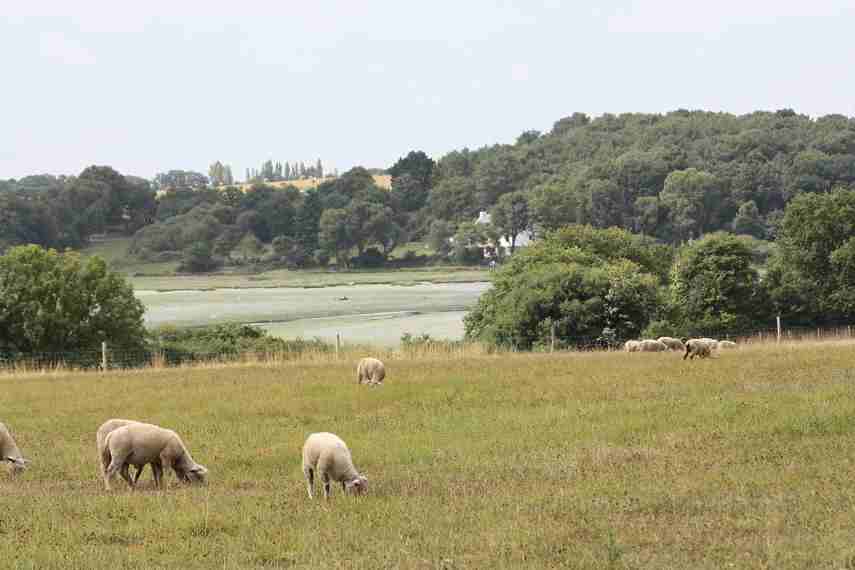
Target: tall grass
point(585, 460)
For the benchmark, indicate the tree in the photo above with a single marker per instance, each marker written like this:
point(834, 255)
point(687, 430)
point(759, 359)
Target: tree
point(58, 302)
point(511, 217)
point(417, 166)
point(813, 268)
point(575, 280)
point(334, 236)
point(714, 285)
point(198, 258)
point(249, 246)
point(693, 198)
point(307, 221)
point(748, 221)
point(439, 236)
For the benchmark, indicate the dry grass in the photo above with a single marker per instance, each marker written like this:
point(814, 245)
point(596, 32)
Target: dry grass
point(504, 461)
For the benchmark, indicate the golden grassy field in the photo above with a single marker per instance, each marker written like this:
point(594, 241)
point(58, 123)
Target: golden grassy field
point(599, 460)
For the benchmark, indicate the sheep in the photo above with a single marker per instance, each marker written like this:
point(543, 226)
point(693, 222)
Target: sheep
point(726, 345)
point(101, 436)
point(672, 343)
point(327, 454)
point(696, 347)
point(9, 451)
point(139, 444)
point(649, 345)
point(631, 346)
point(371, 371)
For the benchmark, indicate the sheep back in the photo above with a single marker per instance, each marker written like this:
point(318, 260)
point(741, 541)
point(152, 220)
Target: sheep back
point(9, 450)
point(650, 345)
point(370, 370)
point(672, 343)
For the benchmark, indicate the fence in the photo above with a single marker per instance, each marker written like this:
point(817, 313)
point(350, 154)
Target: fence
point(107, 357)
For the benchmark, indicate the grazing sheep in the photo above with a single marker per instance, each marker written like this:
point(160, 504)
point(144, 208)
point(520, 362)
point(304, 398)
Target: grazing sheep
point(631, 345)
point(327, 454)
point(140, 444)
point(371, 371)
point(101, 436)
point(9, 451)
point(696, 347)
point(672, 343)
point(650, 345)
point(710, 341)
point(726, 345)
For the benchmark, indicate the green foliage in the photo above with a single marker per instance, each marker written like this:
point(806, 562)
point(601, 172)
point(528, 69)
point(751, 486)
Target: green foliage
point(714, 285)
point(587, 283)
point(54, 302)
point(224, 341)
point(816, 254)
point(511, 216)
point(198, 258)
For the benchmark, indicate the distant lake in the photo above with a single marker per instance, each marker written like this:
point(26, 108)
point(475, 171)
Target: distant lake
point(377, 314)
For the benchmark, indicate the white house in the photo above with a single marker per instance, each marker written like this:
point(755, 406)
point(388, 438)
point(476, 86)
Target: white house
point(524, 238)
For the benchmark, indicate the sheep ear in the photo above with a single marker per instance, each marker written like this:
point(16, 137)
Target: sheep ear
point(199, 469)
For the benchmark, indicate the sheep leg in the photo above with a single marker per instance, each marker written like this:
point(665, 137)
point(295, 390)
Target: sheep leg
point(157, 471)
point(326, 479)
point(124, 473)
point(309, 473)
point(115, 466)
point(138, 473)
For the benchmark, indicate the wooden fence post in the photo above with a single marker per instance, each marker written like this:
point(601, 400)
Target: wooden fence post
point(552, 340)
point(104, 355)
point(337, 344)
point(778, 319)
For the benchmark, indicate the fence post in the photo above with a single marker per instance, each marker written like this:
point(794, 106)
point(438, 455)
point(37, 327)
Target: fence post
point(104, 355)
point(778, 319)
point(849, 331)
point(337, 344)
point(552, 340)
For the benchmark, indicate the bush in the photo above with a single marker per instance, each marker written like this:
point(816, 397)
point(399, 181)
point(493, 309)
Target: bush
point(370, 258)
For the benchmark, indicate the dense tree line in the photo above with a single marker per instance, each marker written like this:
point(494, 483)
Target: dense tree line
point(675, 176)
point(64, 212)
point(672, 177)
point(608, 285)
point(278, 171)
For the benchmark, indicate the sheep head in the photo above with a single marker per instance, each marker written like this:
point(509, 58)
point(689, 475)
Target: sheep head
point(357, 486)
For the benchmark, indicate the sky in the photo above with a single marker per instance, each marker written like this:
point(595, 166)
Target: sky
point(147, 87)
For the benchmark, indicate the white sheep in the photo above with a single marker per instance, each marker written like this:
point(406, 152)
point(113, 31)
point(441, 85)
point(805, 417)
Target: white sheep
point(371, 371)
point(9, 451)
point(713, 343)
point(672, 343)
point(631, 346)
point(140, 444)
point(649, 345)
point(697, 347)
point(327, 455)
point(101, 436)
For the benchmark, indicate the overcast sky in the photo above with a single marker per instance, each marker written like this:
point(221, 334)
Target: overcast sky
point(151, 86)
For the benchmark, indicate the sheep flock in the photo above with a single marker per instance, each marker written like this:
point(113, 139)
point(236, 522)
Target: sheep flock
point(123, 443)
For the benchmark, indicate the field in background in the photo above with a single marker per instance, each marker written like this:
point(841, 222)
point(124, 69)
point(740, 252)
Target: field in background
point(601, 460)
point(274, 305)
point(161, 277)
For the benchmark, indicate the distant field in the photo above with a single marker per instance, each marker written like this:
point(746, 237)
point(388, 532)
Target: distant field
point(274, 305)
point(161, 276)
point(606, 460)
point(378, 329)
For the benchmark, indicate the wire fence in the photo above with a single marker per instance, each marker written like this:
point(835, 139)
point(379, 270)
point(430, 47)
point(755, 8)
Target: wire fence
point(117, 358)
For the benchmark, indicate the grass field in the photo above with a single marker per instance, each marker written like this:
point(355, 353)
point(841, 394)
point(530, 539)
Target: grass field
point(513, 461)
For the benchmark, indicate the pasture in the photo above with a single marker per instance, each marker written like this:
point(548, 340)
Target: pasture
point(598, 460)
